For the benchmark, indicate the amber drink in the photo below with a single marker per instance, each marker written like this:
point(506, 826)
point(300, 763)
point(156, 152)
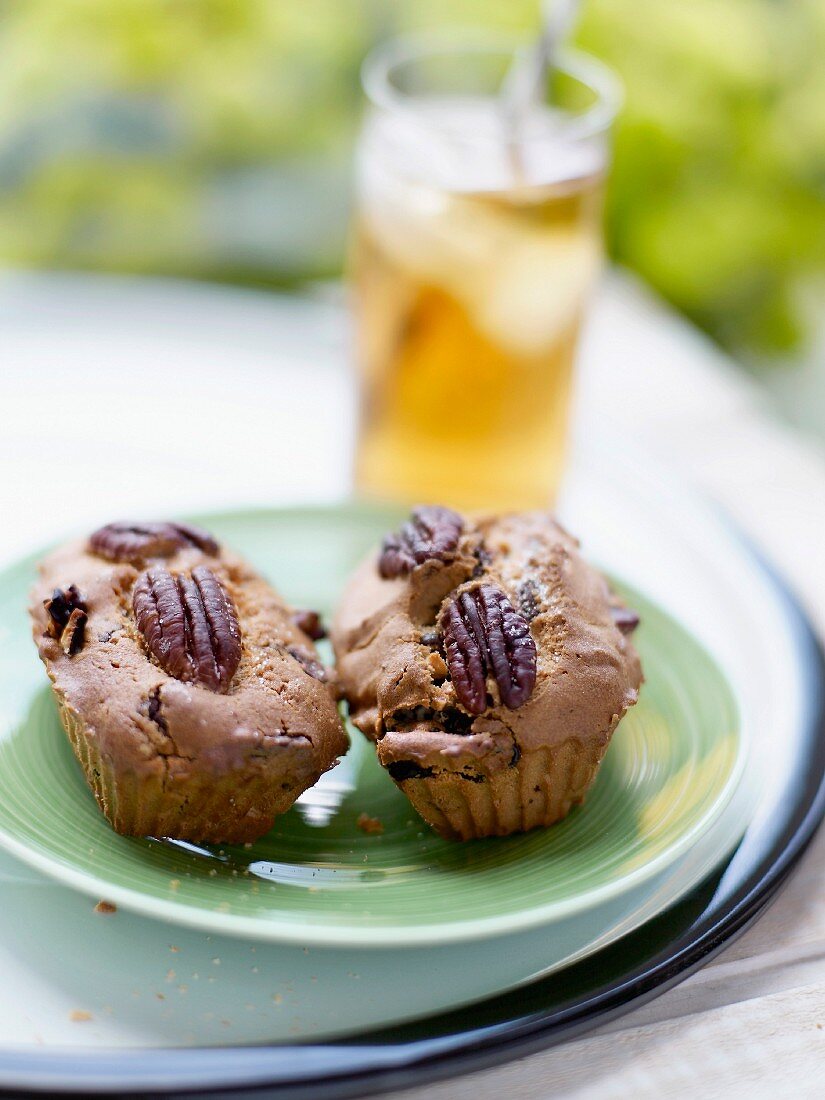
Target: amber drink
point(474, 254)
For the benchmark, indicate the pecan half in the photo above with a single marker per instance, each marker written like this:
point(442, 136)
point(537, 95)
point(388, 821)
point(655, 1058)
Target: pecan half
point(134, 542)
point(308, 663)
point(625, 619)
point(430, 534)
point(311, 624)
point(68, 616)
point(483, 635)
point(189, 625)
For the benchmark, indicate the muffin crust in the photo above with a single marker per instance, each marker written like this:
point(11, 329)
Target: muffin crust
point(172, 758)
point(393, 672)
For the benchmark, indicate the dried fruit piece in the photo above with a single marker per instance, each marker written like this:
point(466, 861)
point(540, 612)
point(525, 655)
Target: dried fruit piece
point(450, 719)
point(190, 625)
point(625, 619)
point(60, 605)
point(529, 599)
point(308, 663)
point(407, 769)
point(68, 616)
point(311, 624)
point(431, 534)
point(484, 559)
point(484, 635)
point(134, 542)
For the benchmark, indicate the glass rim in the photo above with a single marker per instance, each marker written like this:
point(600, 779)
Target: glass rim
point(402, 49)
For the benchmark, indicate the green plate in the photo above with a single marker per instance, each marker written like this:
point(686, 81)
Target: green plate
point(673, 765)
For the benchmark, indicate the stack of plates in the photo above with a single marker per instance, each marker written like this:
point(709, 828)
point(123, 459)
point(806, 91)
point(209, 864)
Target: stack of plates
point(320, 931)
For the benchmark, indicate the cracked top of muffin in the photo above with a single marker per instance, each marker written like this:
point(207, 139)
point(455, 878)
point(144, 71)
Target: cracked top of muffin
point(174, 650)
point(478, 640)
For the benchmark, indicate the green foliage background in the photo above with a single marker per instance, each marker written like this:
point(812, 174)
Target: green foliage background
point(212, 138)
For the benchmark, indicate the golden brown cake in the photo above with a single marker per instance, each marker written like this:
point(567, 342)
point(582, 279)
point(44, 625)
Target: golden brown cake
point(194, 700)
point(490, 664)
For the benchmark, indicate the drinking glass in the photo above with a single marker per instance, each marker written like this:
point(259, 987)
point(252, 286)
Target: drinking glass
point(475, 246)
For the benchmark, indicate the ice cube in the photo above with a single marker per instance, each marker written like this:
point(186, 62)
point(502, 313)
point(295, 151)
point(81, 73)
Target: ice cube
point(536, 288)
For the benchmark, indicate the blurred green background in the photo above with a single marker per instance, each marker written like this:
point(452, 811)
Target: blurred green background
point(212, 138)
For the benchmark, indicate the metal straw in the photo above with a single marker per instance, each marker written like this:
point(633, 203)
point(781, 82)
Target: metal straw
point(525, 85)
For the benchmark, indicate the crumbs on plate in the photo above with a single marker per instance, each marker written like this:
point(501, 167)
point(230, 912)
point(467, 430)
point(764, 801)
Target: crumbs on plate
point(373, 826)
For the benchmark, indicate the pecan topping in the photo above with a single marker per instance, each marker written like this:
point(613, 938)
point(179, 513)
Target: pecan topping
point(625, 619)
point(67, 618)
point(134, 542)
point(74, 633)
point(190, 625)
point(311, 624)
point(431, 534)
point(308, 663)
point(485, 635)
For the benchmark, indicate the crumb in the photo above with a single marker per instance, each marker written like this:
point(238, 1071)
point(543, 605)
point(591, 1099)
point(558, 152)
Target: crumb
point(173, 949)
point(174, 883)
point(105, 907)
point(80, 1016)
point(373, 826)
point(161, 996)
point(216, 962)
point(170, 975)
point(437, 666)
point(277, 998)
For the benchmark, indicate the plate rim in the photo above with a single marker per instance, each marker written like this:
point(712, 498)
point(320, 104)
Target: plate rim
point(353, 935)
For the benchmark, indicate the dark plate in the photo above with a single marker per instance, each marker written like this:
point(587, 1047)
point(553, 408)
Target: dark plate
point(622, 976)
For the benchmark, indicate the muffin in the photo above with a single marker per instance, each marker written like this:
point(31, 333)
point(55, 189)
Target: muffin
point(193, 697)
point(490, 664)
